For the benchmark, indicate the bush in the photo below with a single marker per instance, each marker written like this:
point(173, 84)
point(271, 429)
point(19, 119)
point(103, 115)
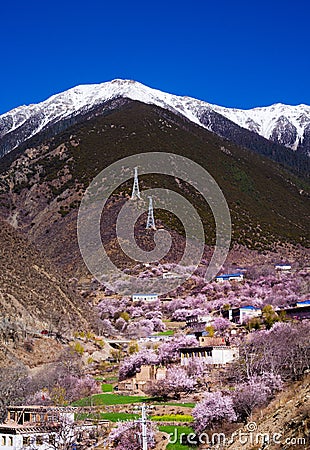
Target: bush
point(78, 348)
point(28, 346)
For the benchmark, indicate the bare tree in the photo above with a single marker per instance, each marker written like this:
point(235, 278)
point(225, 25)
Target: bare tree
point(11, 387)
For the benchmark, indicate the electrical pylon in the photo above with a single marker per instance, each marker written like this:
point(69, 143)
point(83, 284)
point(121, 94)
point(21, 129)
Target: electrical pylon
point(135, 188)
point(150, 217)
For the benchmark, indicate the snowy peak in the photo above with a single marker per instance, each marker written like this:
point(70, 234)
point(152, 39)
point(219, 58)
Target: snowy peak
point(280, 123)
point(284, 124)
point(84, 97)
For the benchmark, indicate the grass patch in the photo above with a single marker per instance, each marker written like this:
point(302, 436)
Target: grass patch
point(109, 399)
point(165, 333)
point(173, 418)
point(115, 417)
point(179, 430)
point(107, 387)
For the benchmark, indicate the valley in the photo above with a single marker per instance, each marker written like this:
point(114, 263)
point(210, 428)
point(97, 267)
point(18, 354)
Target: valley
point(209, 355)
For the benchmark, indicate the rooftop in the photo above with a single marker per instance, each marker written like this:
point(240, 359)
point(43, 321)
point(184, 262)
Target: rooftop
point(145, 295)
point(249, 307)
point(205, 348)
point(41, 408)
point(226, 275)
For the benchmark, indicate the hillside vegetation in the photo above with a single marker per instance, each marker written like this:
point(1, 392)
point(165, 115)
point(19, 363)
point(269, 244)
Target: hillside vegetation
point(33, 294)
point(42, 183)
point(289, 415)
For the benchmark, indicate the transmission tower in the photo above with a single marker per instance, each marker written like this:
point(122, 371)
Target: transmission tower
point(135, 188)
point(150, 217)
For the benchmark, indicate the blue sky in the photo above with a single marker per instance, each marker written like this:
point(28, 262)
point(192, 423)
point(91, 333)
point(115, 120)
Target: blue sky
point(233, 53)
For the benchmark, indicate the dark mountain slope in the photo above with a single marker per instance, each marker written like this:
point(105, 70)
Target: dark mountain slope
point(41, 185)
point(33, 294)
point(296, 161)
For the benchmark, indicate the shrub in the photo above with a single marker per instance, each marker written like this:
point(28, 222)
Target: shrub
point(78, 348)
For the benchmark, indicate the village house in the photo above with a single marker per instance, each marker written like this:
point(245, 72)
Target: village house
point(154, 338)
point(139, 382)
point(170, 275)
point(47, 428)
point(165, 299)
point(240, 315)
point(207, 341)
point(215, 355)
point(238, 276)
point(298, 312)
point(303, 303)
point(144, 297)
point(284, 268)
point(196, 319)
point(35, 427)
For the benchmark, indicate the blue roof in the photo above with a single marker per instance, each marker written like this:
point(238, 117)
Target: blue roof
point(228, 275)
point(305, 302)
point(248, 307)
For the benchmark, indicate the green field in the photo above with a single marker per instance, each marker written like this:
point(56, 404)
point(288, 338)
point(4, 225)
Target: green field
point(109, 399)
point(107, 387)
point(179, 430)
point(115, 417)
point(165, 333)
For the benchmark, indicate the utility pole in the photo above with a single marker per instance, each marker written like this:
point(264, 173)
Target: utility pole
point(143, 422)
point(144, 428)
point(150, 217)
point(135, 188)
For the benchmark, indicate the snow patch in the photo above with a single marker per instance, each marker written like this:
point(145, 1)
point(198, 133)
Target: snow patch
point(262, 120)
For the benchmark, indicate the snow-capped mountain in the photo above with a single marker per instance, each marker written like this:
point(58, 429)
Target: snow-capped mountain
point(283, 124)
point(280, 123)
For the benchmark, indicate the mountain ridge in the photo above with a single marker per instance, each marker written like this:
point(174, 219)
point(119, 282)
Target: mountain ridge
point(287, 125)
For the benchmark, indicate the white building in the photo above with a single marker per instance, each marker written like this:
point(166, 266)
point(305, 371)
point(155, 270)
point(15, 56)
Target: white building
point(144, 297)
point(170, 275)
point(215, 355)
point(283, 267)
point(240, 315)
point(303, 303)
point(224, 355)
point(197, 319)
point(230, 277)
